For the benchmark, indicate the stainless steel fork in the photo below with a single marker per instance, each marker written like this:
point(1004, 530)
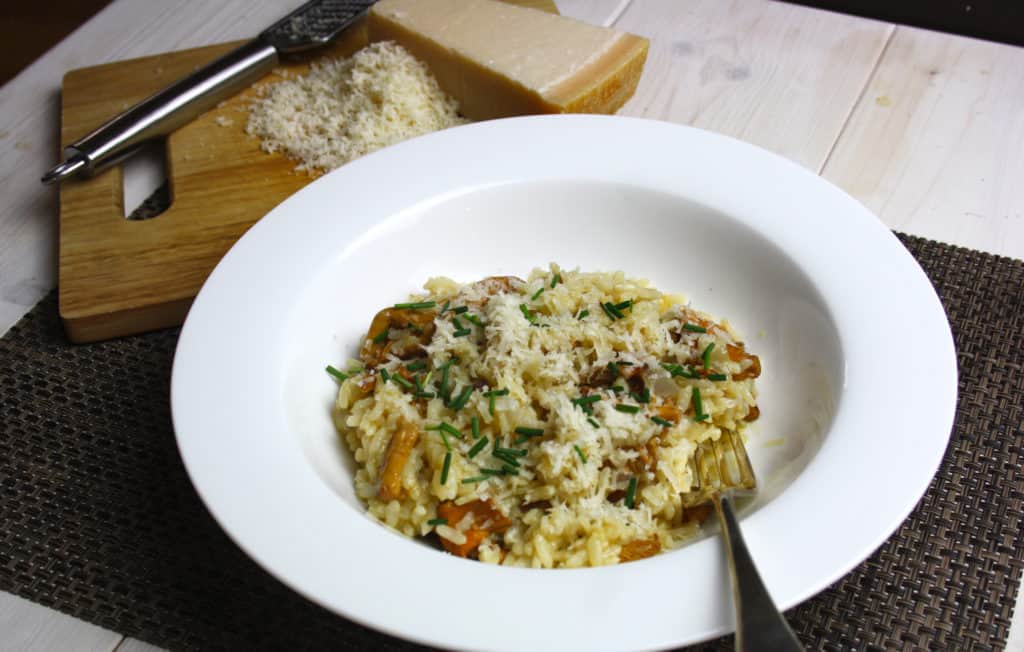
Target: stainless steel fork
point(722, 470)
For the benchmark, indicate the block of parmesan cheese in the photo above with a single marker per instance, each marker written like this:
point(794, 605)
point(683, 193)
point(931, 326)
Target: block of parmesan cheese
point(499, 60)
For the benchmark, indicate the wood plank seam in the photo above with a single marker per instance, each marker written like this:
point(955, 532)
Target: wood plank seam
point(860, 97)
point(616, 13)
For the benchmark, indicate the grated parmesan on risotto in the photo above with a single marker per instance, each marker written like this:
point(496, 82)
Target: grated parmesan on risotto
point(547, 423)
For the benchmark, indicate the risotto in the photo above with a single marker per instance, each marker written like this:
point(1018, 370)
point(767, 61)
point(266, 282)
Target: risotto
point(549, 422)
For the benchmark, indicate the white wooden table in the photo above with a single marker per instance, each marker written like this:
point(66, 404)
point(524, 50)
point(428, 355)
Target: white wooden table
point(926, 129)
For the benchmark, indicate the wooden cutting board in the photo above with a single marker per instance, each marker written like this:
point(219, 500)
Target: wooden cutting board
point(119, 277)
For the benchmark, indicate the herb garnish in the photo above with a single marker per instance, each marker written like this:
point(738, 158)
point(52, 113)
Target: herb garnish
point(583, 458)
point(447, 465)
point(698, 406)
point(460, 401)
point(420, 305)
point(477, 447)
point(401, 381)
point(706, 356)
point(530, 316)
point(631, 492)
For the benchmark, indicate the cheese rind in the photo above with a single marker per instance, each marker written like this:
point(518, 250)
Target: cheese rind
point(499, 60)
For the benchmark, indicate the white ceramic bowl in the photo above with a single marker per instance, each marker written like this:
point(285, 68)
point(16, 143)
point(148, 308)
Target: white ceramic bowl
point(857, 394)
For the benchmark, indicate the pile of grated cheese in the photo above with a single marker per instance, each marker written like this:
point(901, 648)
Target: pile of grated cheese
point(345, 108)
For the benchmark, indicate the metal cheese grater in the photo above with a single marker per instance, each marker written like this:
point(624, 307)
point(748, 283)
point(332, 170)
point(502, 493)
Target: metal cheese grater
point(310, 26)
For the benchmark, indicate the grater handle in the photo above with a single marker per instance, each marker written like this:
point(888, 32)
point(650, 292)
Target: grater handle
point(165, 111)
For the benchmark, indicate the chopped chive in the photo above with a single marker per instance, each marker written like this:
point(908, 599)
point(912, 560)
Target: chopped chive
point(401, 381)
point(420, 305)
point(583, 313)
point(694, 328)
point(460, 310)
point(416, 365)
point(717, 377)
point(451, 430)
point(473, 319)
point(444, 437)
point(537, 294)
point(490, 397)
point(462, 332)
point(618, 389)
point(585, 403)
point(631, 492)
point(477, 447)
point(628, 409)
point(509, 470)
point(380, 337)
point(510, 460)
point(457, 324)
point(614, 368)
point(664, 423)
point(583, 458)
point(475, 479)
point(679, 370)
point(447, 465)
point(514, 452)
point(337, 374)
point(625, 305)
point(530, 317)
point(442, 389)
point(706, 356)
point(698, 406)
point(555, 280)
point(615, 310)
point(444, 308)
point(426, 381)
point(424, 394)
point(593, 422)
point(474, 424)
point(493, 472)
point(642, 397)
point(385, 375)
point(437, 521)
point(460, 401)
point(607, 310)
point(529, 432)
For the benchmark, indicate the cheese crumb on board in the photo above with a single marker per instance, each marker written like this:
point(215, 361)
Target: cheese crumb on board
point(345, 108)
point(499, 60)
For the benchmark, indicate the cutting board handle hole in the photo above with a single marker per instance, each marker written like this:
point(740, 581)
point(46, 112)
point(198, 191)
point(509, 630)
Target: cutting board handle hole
point(146, 191)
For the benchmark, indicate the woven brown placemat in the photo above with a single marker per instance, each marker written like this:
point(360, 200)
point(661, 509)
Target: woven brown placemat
point(98, 519)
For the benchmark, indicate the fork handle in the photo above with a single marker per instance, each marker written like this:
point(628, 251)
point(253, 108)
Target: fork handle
point(759, 625)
